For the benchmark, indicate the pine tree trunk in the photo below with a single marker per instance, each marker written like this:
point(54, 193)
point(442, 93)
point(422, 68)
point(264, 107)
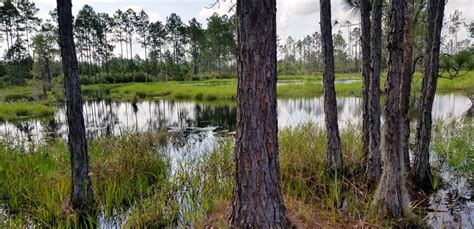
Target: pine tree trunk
point(366, 71)
point(374, 170)
point(333, 153)
point(81, 197)
point(421, 165)
point(257, 200)
point(391, 198)
point(121, 56)
point(405, 86)
point(49, 76)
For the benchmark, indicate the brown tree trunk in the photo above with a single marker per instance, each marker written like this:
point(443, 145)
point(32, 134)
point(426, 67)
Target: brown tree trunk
point(374, 170)
point(391, 198)
point(46, 75)
point(421, 165)
point(81, 197)
point(366, 71)
point(405, 85)
point(257, 200)
point(333, 153)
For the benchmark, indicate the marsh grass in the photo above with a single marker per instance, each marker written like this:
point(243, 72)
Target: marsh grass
point(23, 110)
point(35, 186)
point(226, 89)
point(453, 144)
point(136, 184)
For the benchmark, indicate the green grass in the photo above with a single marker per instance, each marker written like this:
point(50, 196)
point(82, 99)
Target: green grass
point(131, 178)
point(206, 90)
point(319, 77)
point(225, 89)
point(24, 92)
point(35, 185)
point(21, 110)
point(453, 143)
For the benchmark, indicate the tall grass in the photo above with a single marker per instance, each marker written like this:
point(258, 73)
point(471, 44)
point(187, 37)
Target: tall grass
point(35, 186)
point(136, 183)
point(453, 144)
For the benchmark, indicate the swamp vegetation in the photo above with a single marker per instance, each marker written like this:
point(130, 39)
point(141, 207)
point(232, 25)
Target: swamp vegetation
point(20, 101)
point(139, 181)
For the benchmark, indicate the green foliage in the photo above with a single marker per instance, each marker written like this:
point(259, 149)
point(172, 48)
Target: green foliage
point(18, 98)
point(35, 186)
point(457, 64)
point(453, 143)
point(131, 177)
point(21, 110)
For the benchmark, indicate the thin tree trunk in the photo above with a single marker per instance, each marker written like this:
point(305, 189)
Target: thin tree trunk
point(131, 53)
point(374, 169)
point(49, 76)
point(421, 165)
point(257, 200)
point(121, 55)
point(391, 198)
point(81, 197)
point(405, 86)
point(333, 153)
point(366, 71)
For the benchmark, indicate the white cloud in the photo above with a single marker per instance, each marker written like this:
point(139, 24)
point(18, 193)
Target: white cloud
point(297, 18)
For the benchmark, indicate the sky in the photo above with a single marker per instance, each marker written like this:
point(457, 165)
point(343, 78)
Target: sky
point(297, 18)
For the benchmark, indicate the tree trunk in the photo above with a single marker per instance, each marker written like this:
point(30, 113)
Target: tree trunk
point(421, 165)
point(405, 86)
point(121, 56)
point(374, 170)
point(81, 197)
point(366, 71)
point(391, 198)
point(130, 40)
point(49, 77)
point(333, 153)
point(257, 200)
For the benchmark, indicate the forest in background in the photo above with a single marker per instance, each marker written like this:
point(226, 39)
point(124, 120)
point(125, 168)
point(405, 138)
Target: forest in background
point(369, 172)
point(177, 50)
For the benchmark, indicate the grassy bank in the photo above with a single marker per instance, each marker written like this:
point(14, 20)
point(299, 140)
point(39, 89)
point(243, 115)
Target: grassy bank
point(225, 89)
point(23, 110)
point(14, 93)
point(210, 90)
point(35, 186)
point(206, 91)
point(134, 186)
point(18, 102)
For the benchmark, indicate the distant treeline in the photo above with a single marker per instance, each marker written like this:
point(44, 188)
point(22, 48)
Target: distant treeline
point(170, 50)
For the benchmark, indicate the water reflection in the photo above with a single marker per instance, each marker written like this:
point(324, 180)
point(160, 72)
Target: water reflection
point(453, 205)
point(112, 118)
point(195, 128)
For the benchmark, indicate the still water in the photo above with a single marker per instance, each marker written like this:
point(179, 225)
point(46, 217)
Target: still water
point(199, 125)
point(105, 117)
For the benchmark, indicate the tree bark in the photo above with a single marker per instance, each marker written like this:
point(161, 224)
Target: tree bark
point(374, 170)
point(366, 71)
point(333, 153)
point(421, 165)
point(405, 85)
point(48, 75)
point(257, 200)
point(391, 197)
point(81, 197)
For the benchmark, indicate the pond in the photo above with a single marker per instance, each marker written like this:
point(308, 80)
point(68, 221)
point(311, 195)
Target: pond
point(106, 117)
point(199, 125)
